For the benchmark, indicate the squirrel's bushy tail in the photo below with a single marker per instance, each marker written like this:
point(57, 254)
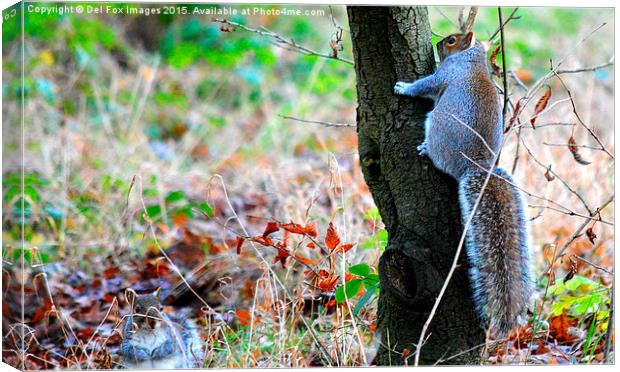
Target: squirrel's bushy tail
point(497, 248)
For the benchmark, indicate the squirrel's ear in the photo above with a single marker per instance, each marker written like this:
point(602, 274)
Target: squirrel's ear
point(157, 292)
point(470, 39)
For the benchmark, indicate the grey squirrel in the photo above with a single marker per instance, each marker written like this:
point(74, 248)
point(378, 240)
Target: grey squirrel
point(153, 339)
point(466, 122)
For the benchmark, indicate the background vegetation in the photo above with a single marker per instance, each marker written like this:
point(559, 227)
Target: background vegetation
point(151, 155)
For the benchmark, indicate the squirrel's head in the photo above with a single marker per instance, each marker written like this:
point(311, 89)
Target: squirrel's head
point(455, 43)
point(146, 308)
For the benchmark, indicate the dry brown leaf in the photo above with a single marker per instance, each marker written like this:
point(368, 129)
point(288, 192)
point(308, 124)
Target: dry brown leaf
point(493, 59)
point(550, 177)
point(541, 105)
point(572, 147)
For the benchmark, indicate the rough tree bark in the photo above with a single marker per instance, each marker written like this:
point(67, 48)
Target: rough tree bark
point(418, 204)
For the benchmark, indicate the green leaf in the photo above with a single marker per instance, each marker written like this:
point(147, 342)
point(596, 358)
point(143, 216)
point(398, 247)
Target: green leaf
point(350, 289)
point(367, 296)
point(175, 196)
point(372, 215)
point(360, 269)
point(154, 211)
point(371, 279)
point(206, 209)
point(577, 283)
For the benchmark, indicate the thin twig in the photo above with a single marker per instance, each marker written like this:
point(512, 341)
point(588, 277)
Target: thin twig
point(484, 142)
point(579, 117)
point(499, 28)
point(583, 202)
point(567, 145)
point(530, 94)
point(567, 211)
point(587, 69)
point(502, 42)
point(324, 123)
point(447, 18)
point(572, 214)
point(577, 232)
point(454, 261)
point(280, 40)
point(593, 264)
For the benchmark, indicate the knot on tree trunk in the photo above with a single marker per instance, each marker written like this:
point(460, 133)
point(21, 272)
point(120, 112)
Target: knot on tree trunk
point(405, 280)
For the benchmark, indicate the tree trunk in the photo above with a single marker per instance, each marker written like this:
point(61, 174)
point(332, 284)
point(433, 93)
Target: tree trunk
point(418, 204)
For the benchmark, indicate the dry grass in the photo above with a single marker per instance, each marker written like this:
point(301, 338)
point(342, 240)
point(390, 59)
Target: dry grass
point(256, 167)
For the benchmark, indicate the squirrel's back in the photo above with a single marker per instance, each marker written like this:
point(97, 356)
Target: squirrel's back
point(467, 114)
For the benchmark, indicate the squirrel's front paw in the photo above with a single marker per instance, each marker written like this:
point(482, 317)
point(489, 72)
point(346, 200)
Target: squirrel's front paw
point(401, 87)
point(423, 149)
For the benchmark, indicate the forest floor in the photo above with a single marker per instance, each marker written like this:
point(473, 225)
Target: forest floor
point(143, 175)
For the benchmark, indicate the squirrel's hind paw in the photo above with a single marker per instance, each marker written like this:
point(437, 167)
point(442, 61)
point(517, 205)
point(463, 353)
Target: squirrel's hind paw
point(401, 87)
point(423, 149)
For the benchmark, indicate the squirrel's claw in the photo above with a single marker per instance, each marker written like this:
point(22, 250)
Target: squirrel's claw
point(423, 149)
point(400, 87)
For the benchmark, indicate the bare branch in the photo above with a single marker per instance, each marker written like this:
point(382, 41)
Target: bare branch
point(583, 202)
point(471, 17)
point(505, 80)
point(587, 69)
point(593, 265)
point(570, 96)
point(577, 232)
point(324, 123)
point(510, 18)
point(567, 145)
point(281, 41)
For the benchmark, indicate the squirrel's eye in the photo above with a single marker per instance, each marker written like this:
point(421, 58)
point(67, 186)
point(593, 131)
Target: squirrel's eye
point(161, 308)
point(451, 40)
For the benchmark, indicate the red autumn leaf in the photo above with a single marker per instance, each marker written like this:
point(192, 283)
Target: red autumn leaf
point(270, 228)
point(311, 229)
point(323, 273)
point(85, 333)
point(550, 177)
point(558, 328)
point(282, 256)
point(328, 284)
point(540, 348)
point(343, 248)
point(293, 228)
point(405, 354)
point(266, 241)
point(110, 272)
point(520, 335)
point(240, 241)
point(572, 270)
point(591, 235)
point(540, 105)
point(311, 245)
point(493, 59)
point(331, 238)
point(306, 260)
point(514, 116)
point(41, 312)
point(349, 276)
point(179, 219)
point(243, 316)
